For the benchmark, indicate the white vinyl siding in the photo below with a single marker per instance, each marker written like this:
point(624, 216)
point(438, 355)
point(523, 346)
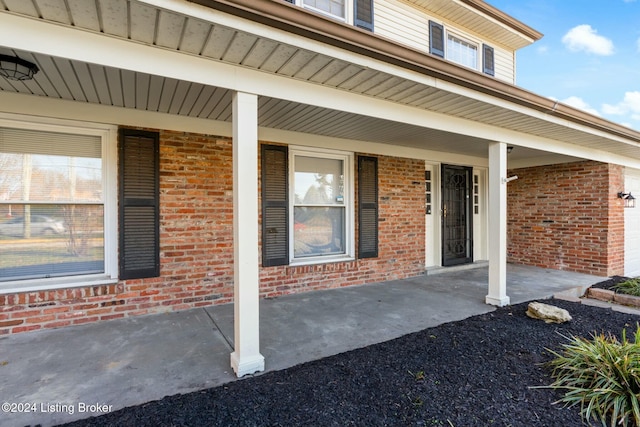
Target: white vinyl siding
point(402, 23)
point(631, 229)
point(505, 67)
point(409, 25)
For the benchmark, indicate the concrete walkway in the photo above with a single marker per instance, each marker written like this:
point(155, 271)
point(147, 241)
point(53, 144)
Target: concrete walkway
point(56, 376)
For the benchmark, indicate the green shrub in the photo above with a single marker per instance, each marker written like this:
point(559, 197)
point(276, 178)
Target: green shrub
point(629, 287)
point(603, 376)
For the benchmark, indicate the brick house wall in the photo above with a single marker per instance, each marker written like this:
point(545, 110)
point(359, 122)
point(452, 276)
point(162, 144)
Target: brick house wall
point(196, 245)
point(401, 250)
point(567, 217)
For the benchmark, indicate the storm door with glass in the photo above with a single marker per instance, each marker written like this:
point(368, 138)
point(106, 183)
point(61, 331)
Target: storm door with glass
point(457, 232)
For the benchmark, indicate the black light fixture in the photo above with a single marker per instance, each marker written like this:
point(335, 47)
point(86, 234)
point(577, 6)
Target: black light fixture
point(629, 200)
point(509, 149)
point(14, 68)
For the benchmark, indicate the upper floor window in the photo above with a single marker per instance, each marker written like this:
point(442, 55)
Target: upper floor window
point(356, 12)
point(459, 50)
point(462, 51)
point(334, 8)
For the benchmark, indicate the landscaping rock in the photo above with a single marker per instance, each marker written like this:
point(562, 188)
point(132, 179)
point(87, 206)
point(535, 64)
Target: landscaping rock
point(548, 313)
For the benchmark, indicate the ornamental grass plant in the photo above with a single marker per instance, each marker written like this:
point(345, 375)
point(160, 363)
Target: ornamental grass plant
point(602, 375)
point(629, 287)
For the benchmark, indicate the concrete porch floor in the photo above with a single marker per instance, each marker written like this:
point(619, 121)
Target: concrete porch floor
point(126, 362)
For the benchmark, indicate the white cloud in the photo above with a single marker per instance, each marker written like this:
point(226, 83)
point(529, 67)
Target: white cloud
point(584, 38)
point(613, 110)
point(580, 104)
point(629, 105)
point(544, 49)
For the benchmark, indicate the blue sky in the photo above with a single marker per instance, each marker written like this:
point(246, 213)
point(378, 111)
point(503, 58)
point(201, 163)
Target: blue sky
point(589, 56)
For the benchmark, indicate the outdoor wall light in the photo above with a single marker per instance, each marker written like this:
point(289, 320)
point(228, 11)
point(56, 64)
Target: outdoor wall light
point(14, 68)
point(629, 200)
point(509, 149)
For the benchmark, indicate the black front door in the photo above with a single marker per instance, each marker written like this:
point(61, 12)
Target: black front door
point(457, 232)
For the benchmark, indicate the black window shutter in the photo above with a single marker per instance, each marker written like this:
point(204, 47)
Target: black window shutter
point(364, 14)
point(275, 205)
point(139, 206)
point(488, 64)
point(436, 39)
point(291, 1)
point(367, 207)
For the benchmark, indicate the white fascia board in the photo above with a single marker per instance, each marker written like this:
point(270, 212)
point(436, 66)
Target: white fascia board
point(545, 116)
point(17, 106)
point(66, 42)
point(356, 146)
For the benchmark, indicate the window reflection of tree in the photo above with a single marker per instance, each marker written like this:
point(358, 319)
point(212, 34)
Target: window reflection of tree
point(322, 231)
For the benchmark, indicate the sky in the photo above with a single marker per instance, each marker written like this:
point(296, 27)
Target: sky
point(589, 56)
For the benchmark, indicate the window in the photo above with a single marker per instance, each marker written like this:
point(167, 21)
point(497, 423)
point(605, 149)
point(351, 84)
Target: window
point(54, 219)
point(308, 205)
point(320, 204)
point(462, 51)
point(335, 8)
point(459, 50)
point(356, 12)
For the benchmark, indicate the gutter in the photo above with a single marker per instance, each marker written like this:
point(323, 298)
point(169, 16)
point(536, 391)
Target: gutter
point(296, 20)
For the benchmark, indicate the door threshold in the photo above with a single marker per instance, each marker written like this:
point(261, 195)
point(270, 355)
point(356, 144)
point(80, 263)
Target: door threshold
point(439, 270)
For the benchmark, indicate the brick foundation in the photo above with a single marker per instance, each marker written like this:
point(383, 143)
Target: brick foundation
point(567, 217)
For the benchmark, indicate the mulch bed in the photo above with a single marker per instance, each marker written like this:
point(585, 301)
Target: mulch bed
point(609, 283)
point(475, 372)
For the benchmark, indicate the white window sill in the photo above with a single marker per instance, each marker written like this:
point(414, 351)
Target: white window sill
point(322, 260)
point(36, 285)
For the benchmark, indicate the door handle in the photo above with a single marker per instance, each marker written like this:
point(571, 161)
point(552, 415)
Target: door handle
point(444, 211)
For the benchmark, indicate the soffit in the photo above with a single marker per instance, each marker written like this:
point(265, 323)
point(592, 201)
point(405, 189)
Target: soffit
point(468, 17)
point(83, 82)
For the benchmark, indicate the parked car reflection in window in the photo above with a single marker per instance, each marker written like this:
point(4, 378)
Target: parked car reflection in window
point(40, 226)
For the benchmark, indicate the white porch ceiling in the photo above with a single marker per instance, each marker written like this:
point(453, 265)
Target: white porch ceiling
point(141, 23)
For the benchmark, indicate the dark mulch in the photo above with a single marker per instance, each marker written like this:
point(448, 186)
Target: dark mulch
point(611, 282)
point(476, 372)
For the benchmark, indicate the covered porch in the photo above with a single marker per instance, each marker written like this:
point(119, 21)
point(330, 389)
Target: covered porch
point(131, 361)
point(226, 71)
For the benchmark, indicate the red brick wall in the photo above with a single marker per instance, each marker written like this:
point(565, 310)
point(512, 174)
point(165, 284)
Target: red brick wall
point(567, 217)
point(401, 236)
point(196, 247)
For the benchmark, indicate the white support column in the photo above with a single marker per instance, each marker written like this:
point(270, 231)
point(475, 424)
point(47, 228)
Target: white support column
point(246, 358)
point(497, 225)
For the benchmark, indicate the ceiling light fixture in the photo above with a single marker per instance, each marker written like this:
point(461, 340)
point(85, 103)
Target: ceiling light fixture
point(14, 68)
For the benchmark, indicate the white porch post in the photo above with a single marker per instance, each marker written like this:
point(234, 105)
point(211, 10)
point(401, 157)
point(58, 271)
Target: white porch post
point(497, 225)
point(246, 358)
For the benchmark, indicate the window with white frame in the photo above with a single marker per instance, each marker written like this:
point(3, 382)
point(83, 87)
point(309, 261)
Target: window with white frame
point(356, 12)
point(462, 51)
point(320, 204)
point(52, 204)
point(448, 45)
point(334, 8)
